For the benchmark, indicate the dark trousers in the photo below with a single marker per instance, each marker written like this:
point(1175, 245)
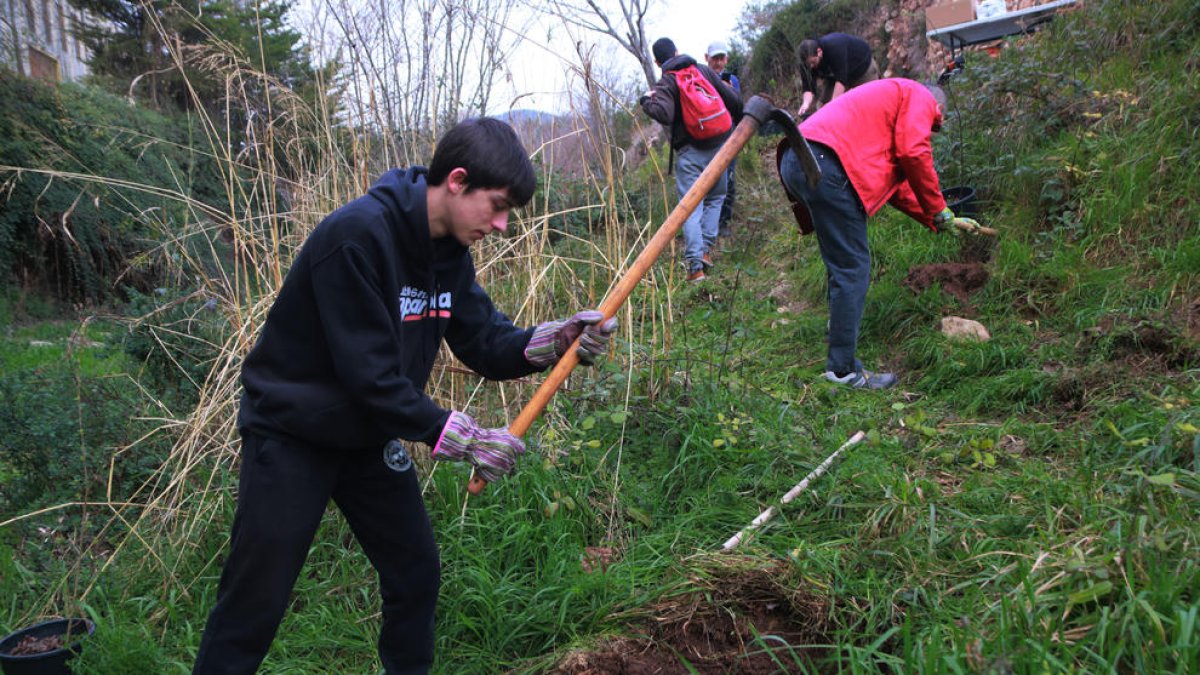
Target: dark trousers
point(840, 222)
point(283, 490)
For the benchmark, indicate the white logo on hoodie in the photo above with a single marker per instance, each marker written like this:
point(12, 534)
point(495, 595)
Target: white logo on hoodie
point(416, 304)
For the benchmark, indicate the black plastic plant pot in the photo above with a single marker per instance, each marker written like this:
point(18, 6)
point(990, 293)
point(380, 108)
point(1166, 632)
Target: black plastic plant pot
point(52, 662)
point(961, 200)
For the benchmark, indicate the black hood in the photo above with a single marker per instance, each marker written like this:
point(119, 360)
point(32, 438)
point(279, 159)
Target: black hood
point(403, 195)
point(678, 62)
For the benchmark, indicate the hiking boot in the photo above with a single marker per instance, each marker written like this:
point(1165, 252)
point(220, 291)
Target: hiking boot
point(697, 275)
point(863, 379)
point(706, 261)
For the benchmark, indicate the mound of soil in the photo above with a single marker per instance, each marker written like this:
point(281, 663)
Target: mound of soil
point(730, 623)
point(957, 279)
point(29, 645)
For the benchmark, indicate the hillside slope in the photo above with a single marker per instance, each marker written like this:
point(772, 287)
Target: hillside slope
point(1026, 504)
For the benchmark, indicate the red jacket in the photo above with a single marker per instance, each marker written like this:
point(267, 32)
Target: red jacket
point(881, 133)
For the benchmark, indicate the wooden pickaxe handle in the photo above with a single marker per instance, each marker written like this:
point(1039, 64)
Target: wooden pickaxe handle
point(757, 110)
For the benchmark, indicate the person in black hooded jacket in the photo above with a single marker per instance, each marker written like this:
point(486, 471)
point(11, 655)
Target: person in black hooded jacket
point(339, 373)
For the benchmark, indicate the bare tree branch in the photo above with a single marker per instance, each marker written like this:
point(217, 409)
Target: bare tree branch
point(629, 30)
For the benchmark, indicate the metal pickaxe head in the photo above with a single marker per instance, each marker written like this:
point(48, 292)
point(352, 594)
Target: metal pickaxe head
point(762, 110)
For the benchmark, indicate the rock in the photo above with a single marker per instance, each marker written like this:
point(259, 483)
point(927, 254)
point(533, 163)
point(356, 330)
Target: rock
point(958, 328)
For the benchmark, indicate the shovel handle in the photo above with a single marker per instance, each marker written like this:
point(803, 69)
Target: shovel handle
point(989, 231)
point(757, 109)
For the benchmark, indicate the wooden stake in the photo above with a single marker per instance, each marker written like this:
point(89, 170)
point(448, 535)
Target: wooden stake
point(791, 494)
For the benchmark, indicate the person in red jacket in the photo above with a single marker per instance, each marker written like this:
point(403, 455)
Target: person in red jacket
point(873, 145)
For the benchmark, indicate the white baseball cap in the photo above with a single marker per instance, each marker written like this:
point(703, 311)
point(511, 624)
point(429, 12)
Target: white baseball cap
point(717, 49)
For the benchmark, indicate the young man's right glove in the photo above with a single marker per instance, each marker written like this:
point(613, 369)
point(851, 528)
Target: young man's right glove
point(493, 452)
point(552, 339)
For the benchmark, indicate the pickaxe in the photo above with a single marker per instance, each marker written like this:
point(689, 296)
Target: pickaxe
point(758, 110)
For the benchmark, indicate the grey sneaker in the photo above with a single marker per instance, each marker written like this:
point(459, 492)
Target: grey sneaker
point(863, 379)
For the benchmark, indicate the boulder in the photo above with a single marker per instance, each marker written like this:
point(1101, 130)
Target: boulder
point(958, 328)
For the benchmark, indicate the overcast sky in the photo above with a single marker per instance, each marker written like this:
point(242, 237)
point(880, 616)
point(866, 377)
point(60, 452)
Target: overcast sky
point(538, 67)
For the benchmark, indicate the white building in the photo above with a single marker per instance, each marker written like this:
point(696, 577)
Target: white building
point(36, 39)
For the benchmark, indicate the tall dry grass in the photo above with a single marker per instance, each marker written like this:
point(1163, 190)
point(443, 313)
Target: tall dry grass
point(300, 160)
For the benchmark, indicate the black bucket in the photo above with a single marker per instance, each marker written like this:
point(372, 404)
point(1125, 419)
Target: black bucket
point(53, 662)
point(961, 200)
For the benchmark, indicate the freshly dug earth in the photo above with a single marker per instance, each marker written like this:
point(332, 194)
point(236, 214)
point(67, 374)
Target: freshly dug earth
point(957, 279)
point(34, 645)
point(736, 618)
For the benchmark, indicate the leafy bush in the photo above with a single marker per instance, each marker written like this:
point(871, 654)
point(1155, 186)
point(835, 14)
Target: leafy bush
point(176, 339)
point(59, 429)
point(89, 181)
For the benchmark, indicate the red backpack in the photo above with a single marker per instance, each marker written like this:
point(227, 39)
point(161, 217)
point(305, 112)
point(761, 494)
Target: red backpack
point(704, 113)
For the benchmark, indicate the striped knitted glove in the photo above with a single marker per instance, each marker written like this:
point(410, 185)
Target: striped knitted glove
point(551, 339)
point(493, 452)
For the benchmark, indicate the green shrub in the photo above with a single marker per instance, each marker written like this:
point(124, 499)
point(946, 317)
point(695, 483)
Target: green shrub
point(60, 429)
point(176, 337)
point(89, 187)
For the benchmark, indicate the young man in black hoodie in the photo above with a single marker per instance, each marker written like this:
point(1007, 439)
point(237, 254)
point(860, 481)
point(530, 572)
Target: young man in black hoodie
point(339, 373)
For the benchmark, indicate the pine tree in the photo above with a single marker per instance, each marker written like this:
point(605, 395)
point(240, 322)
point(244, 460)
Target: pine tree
point(177, 53)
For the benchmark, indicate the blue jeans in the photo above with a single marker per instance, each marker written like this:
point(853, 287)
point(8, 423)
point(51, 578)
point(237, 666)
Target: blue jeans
point(841, 227)
point(700, 229)
point(730, 195)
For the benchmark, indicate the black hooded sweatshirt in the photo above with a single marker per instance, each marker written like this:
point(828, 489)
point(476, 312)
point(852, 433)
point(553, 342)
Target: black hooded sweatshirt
point(350, 342)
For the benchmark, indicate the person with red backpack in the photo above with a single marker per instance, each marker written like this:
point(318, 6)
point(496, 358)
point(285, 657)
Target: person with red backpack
point(699, 110)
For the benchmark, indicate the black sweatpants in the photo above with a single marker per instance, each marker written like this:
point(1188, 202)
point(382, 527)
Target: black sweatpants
point(282, 492)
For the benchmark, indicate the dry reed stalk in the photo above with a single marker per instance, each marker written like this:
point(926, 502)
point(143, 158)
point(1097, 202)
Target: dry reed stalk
point(268, 212)
point(766, 515)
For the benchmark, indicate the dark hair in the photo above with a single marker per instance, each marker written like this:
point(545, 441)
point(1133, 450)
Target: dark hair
point(663, 50)
point(939, 94)
point(807, 48)
point(492, 155)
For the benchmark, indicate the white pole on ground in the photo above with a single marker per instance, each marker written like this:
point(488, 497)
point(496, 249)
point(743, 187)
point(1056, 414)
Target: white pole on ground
point(791, 494)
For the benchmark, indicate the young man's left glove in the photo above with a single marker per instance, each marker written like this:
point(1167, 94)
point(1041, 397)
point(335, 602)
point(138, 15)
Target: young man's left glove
point(552, 339)
point(493, 452)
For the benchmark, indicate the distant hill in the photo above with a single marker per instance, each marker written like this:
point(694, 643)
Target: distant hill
point(553, 138)
point(525, 116)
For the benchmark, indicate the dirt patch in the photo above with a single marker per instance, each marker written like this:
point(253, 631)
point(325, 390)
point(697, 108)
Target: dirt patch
point(737, 617)
point(1148, 341)
point(958, 279)
point(597, 558)
point(1192, 321)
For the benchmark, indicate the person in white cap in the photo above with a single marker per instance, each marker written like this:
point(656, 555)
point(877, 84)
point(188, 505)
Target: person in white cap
point(717, 56)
